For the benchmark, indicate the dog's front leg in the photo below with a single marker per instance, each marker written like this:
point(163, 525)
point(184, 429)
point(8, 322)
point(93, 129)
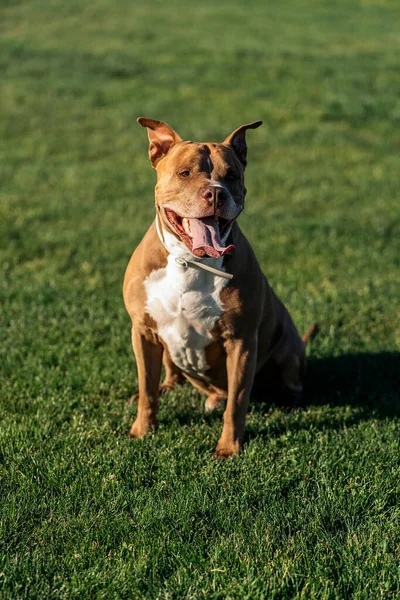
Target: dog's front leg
point(148, 352)
point(241, 366)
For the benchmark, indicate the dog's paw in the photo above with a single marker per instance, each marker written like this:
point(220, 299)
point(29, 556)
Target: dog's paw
point(133, 399)
point(214, 402)
point(170, 382)
point(227, 449)
point(163, 389)
point(139, 429)
point(166, 387)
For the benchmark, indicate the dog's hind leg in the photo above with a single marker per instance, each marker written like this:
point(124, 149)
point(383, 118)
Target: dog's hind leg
point(292, 369)
point(173, 376)
point(216, 398)
point(291, 372)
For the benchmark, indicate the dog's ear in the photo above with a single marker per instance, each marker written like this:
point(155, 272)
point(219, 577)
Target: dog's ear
point(237, 140)
point(161, 138)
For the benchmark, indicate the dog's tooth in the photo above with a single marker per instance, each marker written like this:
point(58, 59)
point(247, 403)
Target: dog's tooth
point(186, 225)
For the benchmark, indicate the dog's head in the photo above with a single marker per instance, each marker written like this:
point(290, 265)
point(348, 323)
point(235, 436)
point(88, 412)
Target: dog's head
point(200, 186)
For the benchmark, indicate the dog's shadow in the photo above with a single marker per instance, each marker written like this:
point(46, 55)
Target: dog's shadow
point(369, 383)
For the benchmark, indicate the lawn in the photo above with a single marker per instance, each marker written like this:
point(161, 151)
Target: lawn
point(311, 508)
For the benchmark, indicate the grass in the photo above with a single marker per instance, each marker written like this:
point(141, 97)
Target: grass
point(311, 507)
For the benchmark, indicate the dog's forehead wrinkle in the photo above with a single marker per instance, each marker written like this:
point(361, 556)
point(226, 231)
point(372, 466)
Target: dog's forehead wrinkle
point(194, 155)
point(209, 162)
point(220, 161)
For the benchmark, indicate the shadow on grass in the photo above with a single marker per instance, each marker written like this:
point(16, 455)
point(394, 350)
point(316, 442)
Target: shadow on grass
point(370, 382)
point(367, 382)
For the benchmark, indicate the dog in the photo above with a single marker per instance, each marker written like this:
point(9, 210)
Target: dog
point(196, 295)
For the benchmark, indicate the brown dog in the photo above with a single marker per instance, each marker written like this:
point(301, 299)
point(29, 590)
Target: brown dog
point(195, 291)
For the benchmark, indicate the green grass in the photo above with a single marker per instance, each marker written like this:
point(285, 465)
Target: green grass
point(310, 509)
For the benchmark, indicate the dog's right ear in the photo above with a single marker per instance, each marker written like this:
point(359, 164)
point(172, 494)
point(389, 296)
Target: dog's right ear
point(161, 138)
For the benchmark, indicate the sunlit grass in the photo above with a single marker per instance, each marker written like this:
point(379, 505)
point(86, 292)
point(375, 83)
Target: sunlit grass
point(311, 507)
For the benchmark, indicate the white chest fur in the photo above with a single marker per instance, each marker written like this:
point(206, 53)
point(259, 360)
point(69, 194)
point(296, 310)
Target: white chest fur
point(185, 303)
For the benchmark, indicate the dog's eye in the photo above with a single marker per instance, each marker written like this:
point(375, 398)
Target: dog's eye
point(184, 173)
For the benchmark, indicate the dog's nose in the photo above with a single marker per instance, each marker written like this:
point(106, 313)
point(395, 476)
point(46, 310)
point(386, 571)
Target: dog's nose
point(214, 195)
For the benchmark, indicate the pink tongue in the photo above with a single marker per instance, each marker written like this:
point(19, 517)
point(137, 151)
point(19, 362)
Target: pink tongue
point(205, 235)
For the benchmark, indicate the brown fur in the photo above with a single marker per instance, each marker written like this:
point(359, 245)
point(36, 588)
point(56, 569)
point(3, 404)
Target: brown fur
point(254, 331)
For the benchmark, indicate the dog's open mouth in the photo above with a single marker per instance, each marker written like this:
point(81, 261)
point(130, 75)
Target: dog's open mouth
point(203, 236)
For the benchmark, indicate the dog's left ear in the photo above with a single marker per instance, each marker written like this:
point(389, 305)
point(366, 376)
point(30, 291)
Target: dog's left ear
point(161, 138)
point(237, 140)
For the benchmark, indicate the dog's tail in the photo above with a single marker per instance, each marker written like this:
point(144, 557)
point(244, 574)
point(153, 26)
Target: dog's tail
point(312, 332)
